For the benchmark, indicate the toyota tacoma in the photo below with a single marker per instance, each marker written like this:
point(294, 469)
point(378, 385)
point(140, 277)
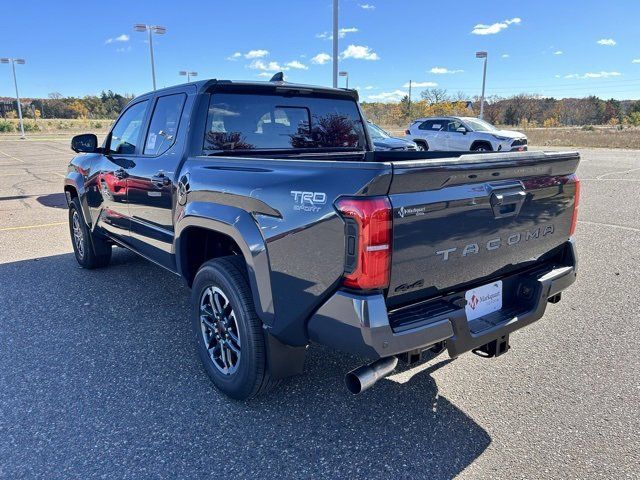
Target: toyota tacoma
point(269, 200)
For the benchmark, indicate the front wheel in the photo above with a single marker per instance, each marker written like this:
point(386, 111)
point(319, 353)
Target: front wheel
point(481, 147)
point(228, 333)
point(90, 250)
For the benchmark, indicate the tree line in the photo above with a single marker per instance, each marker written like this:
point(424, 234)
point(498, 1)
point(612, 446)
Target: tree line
point(107, 105)
point(522, 110)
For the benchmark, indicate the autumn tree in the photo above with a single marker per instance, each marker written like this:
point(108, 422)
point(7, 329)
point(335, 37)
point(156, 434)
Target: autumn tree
point(434, 95)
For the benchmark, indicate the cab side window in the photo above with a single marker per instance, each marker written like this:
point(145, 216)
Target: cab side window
point(164, 124)
point(125, 135)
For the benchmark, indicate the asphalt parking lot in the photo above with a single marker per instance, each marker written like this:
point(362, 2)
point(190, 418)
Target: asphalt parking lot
point(99, 376)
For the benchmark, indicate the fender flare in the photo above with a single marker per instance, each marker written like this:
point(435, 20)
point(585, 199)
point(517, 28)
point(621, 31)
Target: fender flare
point(240, 226)
point(76, 181)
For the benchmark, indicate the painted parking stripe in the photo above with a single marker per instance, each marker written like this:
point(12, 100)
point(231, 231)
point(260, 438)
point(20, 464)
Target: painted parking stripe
point(28, 227)
point(11, 156)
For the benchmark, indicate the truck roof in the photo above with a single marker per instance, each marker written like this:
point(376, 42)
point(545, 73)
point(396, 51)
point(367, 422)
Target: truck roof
point(204, 85)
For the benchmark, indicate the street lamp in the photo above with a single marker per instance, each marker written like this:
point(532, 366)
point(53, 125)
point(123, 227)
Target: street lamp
point(188, 74)
point(484, 78)
point(158, 30)
point(335, 43)
point(13, 62)
point(345, 74)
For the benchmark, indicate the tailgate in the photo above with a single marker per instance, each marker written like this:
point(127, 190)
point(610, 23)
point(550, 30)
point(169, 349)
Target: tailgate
point(460, 222)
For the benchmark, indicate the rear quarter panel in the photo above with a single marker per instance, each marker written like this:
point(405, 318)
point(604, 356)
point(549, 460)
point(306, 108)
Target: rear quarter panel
point(291, 202)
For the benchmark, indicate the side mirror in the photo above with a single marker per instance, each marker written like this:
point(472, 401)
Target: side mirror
point(461, 130)
point(85, 143)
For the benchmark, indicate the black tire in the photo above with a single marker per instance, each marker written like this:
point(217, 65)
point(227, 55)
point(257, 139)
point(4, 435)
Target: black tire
point(481, 147)
point(225, 279)
point(422, 146)
point(91, 251)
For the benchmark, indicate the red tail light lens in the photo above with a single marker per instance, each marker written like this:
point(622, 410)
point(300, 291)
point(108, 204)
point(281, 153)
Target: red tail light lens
point(368, 241)
point(576, 203)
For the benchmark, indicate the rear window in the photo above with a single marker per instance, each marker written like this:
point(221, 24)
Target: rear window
point(238, 121)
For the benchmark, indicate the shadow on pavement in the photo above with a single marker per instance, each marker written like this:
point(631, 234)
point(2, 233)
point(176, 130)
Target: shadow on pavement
point(54, 200)
point(100, 377)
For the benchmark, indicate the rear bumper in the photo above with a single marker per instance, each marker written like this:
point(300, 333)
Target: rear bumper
point(362, 325)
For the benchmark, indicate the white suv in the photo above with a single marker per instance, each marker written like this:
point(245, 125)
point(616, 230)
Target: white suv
point(463, 134)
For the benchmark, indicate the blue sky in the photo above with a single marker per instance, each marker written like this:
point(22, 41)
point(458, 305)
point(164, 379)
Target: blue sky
point(553, 48)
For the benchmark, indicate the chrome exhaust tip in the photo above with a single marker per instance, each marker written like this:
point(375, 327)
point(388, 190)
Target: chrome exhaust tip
point(364, 377)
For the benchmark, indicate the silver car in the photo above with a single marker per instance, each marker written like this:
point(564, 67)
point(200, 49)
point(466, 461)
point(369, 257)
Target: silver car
point(463, 134)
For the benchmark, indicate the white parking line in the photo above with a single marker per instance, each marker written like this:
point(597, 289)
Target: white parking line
point(600, 177)
point(11, 156)
point(28, 227)
point(610, 225)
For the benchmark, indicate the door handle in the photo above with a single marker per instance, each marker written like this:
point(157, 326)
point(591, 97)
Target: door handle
point(160, 180)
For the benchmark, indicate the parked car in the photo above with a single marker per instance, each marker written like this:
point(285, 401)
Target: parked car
point(463, 134)
point(383, 141)
point(268, 199)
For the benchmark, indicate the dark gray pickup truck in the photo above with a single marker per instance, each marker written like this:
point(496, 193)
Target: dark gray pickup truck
point(269, 201)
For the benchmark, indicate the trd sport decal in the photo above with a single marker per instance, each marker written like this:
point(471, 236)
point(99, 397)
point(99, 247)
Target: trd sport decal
point(308, 201)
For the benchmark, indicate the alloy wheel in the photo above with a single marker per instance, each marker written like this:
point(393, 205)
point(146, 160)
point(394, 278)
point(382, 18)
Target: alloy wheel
point(220, 331)
point(78, 235)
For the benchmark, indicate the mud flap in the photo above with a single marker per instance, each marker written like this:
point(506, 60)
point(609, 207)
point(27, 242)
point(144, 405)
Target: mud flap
point(284, 360)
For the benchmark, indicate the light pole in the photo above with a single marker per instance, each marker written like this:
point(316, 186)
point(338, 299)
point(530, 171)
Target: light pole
point(484, 79)
point(188, 74)
point(158, 30)
point(345, 74)
point(410, 82)
point(13, 62)
point(335, 43)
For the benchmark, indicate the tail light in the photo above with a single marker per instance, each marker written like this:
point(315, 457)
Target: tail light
point(368, 241)
point(576, 203)
point(407, 132)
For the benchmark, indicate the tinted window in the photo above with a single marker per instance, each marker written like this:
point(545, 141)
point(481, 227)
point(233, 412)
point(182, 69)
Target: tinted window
point(249, 122)
point(435, 125)
point(126, 132)
point(164, 124)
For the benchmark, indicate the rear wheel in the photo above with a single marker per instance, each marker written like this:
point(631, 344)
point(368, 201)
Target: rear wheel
point(228, 333)
point(91, 251)
point(422, 146)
